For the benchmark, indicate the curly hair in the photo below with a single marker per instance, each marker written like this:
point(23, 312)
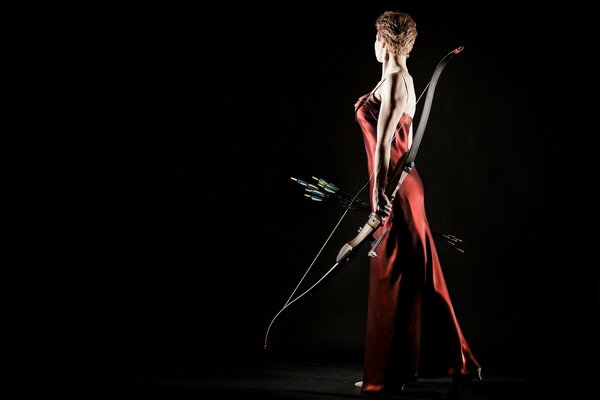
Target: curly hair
point(397, 30)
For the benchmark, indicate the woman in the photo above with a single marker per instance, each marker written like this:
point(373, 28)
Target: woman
point(412, 330)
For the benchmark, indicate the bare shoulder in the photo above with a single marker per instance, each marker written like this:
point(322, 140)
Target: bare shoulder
point(395, 86)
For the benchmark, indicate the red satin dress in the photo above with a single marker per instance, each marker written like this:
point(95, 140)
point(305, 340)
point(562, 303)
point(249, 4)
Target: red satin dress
point(412, 330)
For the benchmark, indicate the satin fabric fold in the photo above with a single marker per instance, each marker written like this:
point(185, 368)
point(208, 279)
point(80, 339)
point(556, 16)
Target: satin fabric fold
point(412, 330)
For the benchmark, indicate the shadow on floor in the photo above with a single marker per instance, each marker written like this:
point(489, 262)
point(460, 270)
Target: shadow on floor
point(289, 381)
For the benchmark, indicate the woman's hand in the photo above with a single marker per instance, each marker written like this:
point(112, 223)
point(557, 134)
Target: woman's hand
point(381, 204)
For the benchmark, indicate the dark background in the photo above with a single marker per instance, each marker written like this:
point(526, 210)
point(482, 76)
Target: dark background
point(170, 232)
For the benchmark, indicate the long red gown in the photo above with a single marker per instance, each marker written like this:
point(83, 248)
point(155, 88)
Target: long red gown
point(412, 330)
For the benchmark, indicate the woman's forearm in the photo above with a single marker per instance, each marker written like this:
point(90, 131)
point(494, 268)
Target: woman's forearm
point(381, 165)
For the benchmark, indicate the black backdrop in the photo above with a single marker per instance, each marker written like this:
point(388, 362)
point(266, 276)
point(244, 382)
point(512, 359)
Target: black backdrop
point(174, 232)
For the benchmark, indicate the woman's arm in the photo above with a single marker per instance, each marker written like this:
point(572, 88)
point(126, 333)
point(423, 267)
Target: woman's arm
point(393, 103)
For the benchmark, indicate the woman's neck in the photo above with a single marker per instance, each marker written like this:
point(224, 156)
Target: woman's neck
point(393, 63)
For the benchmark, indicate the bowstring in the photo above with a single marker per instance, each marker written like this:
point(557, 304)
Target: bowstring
point(289, 300)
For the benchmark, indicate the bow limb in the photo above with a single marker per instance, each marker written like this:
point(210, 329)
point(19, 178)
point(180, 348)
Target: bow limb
point(291, 299)
point(403, 167)
point(289, 303)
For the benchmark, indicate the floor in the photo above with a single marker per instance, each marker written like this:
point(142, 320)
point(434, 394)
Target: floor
point(316, 381)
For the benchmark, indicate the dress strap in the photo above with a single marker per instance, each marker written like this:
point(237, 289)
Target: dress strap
point(363, 101)
point(406, 87)
point(377, 86)
point(407, 91)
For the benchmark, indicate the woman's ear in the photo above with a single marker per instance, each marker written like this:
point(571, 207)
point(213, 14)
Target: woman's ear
point(384, 53)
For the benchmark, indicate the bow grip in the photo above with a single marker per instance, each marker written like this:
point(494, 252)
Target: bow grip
point(347, 250)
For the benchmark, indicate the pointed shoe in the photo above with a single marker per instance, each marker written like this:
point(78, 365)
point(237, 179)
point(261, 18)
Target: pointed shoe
point(460, 384)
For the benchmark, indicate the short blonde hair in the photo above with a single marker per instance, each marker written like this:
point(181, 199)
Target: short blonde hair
point(397, 30)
